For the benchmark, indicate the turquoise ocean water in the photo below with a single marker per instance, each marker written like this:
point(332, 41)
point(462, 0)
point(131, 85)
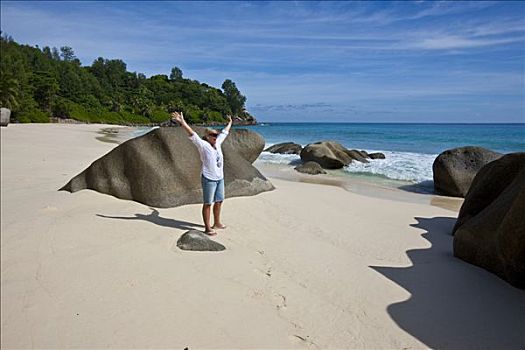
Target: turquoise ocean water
point(410, 149)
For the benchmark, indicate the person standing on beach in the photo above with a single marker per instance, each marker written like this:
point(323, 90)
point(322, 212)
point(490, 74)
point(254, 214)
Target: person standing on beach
point(212, 174)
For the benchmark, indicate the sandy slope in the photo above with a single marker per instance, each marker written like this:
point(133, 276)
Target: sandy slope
point(307, 265)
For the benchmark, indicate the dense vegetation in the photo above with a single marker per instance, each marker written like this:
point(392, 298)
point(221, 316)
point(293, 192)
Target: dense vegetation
point(37, 84)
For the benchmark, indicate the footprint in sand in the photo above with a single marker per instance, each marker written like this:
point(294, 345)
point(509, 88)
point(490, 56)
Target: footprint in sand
point(258, 294)
point(280, 301)
point(298, 339)
point(267, 272)
point(48, 208)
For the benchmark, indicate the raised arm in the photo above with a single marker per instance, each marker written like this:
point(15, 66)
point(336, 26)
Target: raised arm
point(229, 126)
point(222, 136)
point(179, 118)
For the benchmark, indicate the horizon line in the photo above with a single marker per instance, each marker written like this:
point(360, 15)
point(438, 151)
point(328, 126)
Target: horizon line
point(458, 123)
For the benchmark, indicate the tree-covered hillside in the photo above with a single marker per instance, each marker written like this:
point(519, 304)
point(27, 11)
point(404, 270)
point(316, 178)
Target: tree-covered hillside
point(37, 84)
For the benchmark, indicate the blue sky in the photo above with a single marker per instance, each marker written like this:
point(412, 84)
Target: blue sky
point(309, 61)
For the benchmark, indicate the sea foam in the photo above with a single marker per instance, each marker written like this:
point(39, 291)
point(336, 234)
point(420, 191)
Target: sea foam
point(405, 166)
point(275, 158)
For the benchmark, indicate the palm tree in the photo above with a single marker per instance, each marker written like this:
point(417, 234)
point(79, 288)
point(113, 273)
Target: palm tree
point(9, 90)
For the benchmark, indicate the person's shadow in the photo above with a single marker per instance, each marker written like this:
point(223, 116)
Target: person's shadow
point(155, 218)
point(453, 304)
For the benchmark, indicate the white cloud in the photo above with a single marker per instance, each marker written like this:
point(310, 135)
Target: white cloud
point(456, 42)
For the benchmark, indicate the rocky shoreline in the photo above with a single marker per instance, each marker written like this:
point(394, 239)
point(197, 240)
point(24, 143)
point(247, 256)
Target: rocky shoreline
point(326, 154)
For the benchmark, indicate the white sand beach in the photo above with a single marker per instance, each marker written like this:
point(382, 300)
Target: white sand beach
point(306, 266)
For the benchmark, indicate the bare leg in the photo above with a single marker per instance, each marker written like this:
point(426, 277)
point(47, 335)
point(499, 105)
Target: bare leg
point(206, 211)
point(217, 215)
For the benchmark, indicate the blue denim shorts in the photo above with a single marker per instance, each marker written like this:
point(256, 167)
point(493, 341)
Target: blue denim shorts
point(212, 190)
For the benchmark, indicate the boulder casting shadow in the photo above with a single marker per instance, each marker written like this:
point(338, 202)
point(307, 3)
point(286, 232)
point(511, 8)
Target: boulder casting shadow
point(454, 305)
point(422, 187)
point(162, 169)
point(490, 230)
point(454, 169)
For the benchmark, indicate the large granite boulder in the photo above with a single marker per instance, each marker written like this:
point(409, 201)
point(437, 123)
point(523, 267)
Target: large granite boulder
point(247, 143)
point(490, 230)
point(455, 169)
point(329, 154)
point(196, 240)
point(5, 116)
point(162, 169)
point(285, 148)
point(311, 168)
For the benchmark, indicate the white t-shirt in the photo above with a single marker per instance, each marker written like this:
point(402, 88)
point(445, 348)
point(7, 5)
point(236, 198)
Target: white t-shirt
point(212, 158)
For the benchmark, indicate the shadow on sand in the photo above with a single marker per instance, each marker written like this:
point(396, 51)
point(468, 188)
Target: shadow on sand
point(455, 305)
point(423, 187)
point(155, 218)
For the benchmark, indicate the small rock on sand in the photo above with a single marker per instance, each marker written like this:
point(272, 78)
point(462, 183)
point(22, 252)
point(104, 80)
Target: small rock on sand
point(196, 240)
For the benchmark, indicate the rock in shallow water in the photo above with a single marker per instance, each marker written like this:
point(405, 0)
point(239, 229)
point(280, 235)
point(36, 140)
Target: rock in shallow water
point(311, 168)
point(360, 156)
point(162, 169)
point(329, 154)
point(490, 230)
point(376, 155)
point(196, 240)
point(455, 169)
point(285, 148)
point(332, 155)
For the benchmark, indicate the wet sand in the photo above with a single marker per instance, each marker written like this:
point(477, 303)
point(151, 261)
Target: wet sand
point(359, 186)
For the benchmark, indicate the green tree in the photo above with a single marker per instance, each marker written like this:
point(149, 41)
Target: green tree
point(176, 73)
point(47, 52)
point(234, 97)
point(45, 89)
point(55, 55)
point(69, 83)
point(67, 53)
point(9, 91)
point(141, 101)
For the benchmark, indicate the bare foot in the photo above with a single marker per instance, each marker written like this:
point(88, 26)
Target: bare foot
point(219, 226)
point(210, 232)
